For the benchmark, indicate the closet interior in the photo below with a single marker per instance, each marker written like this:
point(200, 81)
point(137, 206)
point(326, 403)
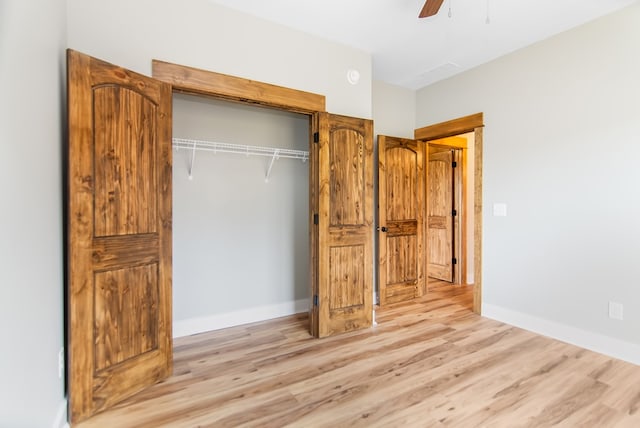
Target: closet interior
point(240, 210)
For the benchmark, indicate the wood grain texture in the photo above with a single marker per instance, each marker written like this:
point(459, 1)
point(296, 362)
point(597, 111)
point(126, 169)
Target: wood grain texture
point(477, 218)
point(430, 362)
point(440, 205)
point(347, 177)
point(119, 233)
point(314, 189)
point(401, 211)
point(124, 136)
point(118, 294)
point(197, 81)
point(346, 278)
point(453, 142)
point(345, 217)
point(450, 128)
point(473, 123)
point(116, 251)
point(460, 221)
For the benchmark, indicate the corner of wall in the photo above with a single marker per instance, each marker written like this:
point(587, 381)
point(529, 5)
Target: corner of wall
point(61, 417)
point(191, 326)
point(605, 345)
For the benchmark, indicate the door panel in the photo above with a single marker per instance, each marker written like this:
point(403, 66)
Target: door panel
point(346, 266)
point(401, 217)
point(347, 178)
point(440, 214)
point(119, 234)
point(345, 218)
point(125, 203)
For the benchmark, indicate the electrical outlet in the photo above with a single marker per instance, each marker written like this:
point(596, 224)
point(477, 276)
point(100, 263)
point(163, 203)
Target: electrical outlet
point(61, 363)
point(499, 209)
point(616, 311)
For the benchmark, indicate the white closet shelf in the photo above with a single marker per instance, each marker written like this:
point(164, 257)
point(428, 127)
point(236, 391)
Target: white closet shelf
point(211, 146)
point(215, 147)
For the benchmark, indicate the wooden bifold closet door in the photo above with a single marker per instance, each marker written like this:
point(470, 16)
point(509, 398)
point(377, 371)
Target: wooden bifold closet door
point(119, 234)
point(119, 223)
point(343, 293)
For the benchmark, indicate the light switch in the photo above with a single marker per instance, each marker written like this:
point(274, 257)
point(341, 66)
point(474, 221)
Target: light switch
point(499, 210)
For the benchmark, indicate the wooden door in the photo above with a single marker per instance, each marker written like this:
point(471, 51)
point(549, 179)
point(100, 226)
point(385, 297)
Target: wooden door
point(119, 234)
point(342, 293)
point(401, 213)
point(440, 208)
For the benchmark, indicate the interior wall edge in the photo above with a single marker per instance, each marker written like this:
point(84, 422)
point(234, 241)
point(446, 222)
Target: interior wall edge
point(61, 417)
point(602, 344)
point(197, 325)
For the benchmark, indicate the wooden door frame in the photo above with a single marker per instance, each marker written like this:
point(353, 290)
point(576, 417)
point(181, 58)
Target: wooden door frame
point(472, 123)
point(194, 81)
point(439, 146)
point(460, 202)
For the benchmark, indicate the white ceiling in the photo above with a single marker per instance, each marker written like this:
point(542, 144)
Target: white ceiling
point(413, 52)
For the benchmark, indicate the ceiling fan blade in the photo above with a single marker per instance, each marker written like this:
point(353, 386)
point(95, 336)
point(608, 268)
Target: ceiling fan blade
point(430, 8)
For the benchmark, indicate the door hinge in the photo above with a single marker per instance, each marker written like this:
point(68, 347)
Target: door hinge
point(316, 137)
point(454, 261)
point(315, 218)
point(454, 164)
point(315, 300)
point(454, 213)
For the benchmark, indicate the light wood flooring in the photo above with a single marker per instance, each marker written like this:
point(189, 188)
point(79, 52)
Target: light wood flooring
point(429, 363)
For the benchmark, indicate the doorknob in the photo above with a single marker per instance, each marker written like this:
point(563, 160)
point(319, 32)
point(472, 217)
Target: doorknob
point(383, 229)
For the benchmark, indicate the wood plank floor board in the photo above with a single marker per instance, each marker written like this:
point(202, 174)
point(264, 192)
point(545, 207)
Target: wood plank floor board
point(427, 363)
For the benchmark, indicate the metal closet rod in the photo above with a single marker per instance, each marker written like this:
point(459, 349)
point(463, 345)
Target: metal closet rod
point(212, 146)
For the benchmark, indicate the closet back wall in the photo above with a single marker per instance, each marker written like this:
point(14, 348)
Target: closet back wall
point(240, 245)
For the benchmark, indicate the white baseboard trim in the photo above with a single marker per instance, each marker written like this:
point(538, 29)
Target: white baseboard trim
point(61, 417)
point(602, 344)
point(230, 319)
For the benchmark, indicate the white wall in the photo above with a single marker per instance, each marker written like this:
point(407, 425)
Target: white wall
point(394, 110)
point(201, 34)
point(32, 41)
point(238, 243)
point(561, 149)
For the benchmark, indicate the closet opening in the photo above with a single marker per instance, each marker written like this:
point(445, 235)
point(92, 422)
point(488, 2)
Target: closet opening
point(240, 213)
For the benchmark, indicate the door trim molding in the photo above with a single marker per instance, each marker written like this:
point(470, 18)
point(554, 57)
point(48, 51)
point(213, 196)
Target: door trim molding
point(458, 126)
point(202, 82)
point(459, 146)
point(472, 123)
point(194, 81)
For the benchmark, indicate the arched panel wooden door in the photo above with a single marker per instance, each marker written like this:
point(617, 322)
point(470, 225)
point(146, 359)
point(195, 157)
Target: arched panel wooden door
point(119, 234)
point(401, 219)
point(343, 290)
point(440, 191)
